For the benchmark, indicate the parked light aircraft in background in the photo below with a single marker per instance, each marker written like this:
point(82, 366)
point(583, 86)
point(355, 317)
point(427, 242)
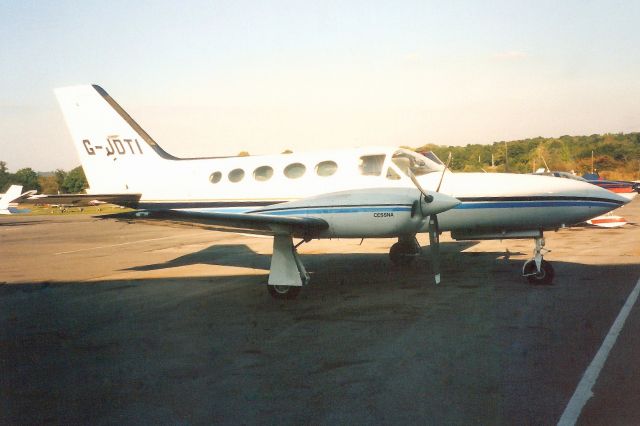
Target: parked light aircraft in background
point(12, 197)
point(353, 193)
point(624, 188)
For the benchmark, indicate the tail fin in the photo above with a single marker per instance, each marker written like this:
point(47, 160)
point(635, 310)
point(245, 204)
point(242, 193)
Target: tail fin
point(13, 193)
point(113, 149)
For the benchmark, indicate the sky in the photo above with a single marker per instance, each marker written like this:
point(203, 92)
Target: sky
point(208, 78)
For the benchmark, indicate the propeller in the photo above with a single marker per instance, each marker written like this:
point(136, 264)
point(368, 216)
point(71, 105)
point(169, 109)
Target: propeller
point(434, 228)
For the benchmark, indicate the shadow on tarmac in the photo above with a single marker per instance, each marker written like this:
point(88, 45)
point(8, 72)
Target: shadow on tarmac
point(364, 343)
point(241, 255)
point(21, 223)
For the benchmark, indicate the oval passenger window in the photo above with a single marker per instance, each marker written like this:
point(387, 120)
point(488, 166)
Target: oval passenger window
point(215, 177)
point(236, 175)
point(295, 170)
point(326, 168)
point(263, 173)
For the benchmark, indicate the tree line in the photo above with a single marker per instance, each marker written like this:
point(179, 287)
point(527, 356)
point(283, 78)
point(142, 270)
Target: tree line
point(615, 156)
point(58, 182)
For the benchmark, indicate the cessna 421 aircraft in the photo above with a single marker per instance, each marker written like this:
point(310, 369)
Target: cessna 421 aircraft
point(355, 193)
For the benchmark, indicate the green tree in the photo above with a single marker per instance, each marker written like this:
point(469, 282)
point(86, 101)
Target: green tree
point(5, 176)
point(616, 155)
point(60, 175)
point(27, 178)
point(75, 181)
point(48, 184)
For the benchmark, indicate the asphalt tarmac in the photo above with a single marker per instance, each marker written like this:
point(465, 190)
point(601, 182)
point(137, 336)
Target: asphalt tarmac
point(106, 322)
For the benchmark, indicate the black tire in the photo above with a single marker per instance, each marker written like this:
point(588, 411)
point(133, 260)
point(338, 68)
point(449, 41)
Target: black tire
point(284, 292)
point(544, 277)
point(402, 254)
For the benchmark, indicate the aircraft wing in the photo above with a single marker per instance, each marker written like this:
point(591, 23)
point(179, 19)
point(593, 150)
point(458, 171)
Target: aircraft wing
point(251, 223)
point(126, 200)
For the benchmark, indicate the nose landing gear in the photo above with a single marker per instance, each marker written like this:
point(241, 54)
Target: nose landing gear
point(537, 270)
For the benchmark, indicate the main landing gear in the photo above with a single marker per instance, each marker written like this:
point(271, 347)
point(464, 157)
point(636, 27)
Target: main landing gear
point(286, 292)
point(287, 274)
point(537, 270)
point(404, 252)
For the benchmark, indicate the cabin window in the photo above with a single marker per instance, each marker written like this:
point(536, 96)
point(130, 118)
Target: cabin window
point(263, 173)
point(391, 174)
point(215, 177)
point(236, 175)
point(326, 168)
point(295, 170)
point(371, 165)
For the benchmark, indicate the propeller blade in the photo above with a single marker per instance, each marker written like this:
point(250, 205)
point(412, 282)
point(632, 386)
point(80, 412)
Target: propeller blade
point(434, 244)
point(428, 198)
point(444, 170)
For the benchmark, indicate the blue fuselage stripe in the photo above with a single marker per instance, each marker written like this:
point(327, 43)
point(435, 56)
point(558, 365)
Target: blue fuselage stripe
point(338, 210)
point(462, 206)
point(528, 204)
point(389, 209)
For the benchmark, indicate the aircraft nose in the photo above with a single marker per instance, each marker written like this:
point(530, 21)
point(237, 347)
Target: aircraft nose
point(595, 191)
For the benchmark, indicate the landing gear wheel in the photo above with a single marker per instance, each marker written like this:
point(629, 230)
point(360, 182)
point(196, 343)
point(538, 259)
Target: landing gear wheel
point(284, 292)
point(544, 277)
point(402, 254)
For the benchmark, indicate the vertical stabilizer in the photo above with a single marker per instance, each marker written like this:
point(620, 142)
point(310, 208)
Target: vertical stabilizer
point(114, 150)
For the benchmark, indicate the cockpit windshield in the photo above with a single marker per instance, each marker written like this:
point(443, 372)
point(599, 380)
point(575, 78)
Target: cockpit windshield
point(418, 164)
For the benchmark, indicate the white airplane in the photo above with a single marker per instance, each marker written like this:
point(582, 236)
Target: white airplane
point(354, 193)
point(12, 197)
